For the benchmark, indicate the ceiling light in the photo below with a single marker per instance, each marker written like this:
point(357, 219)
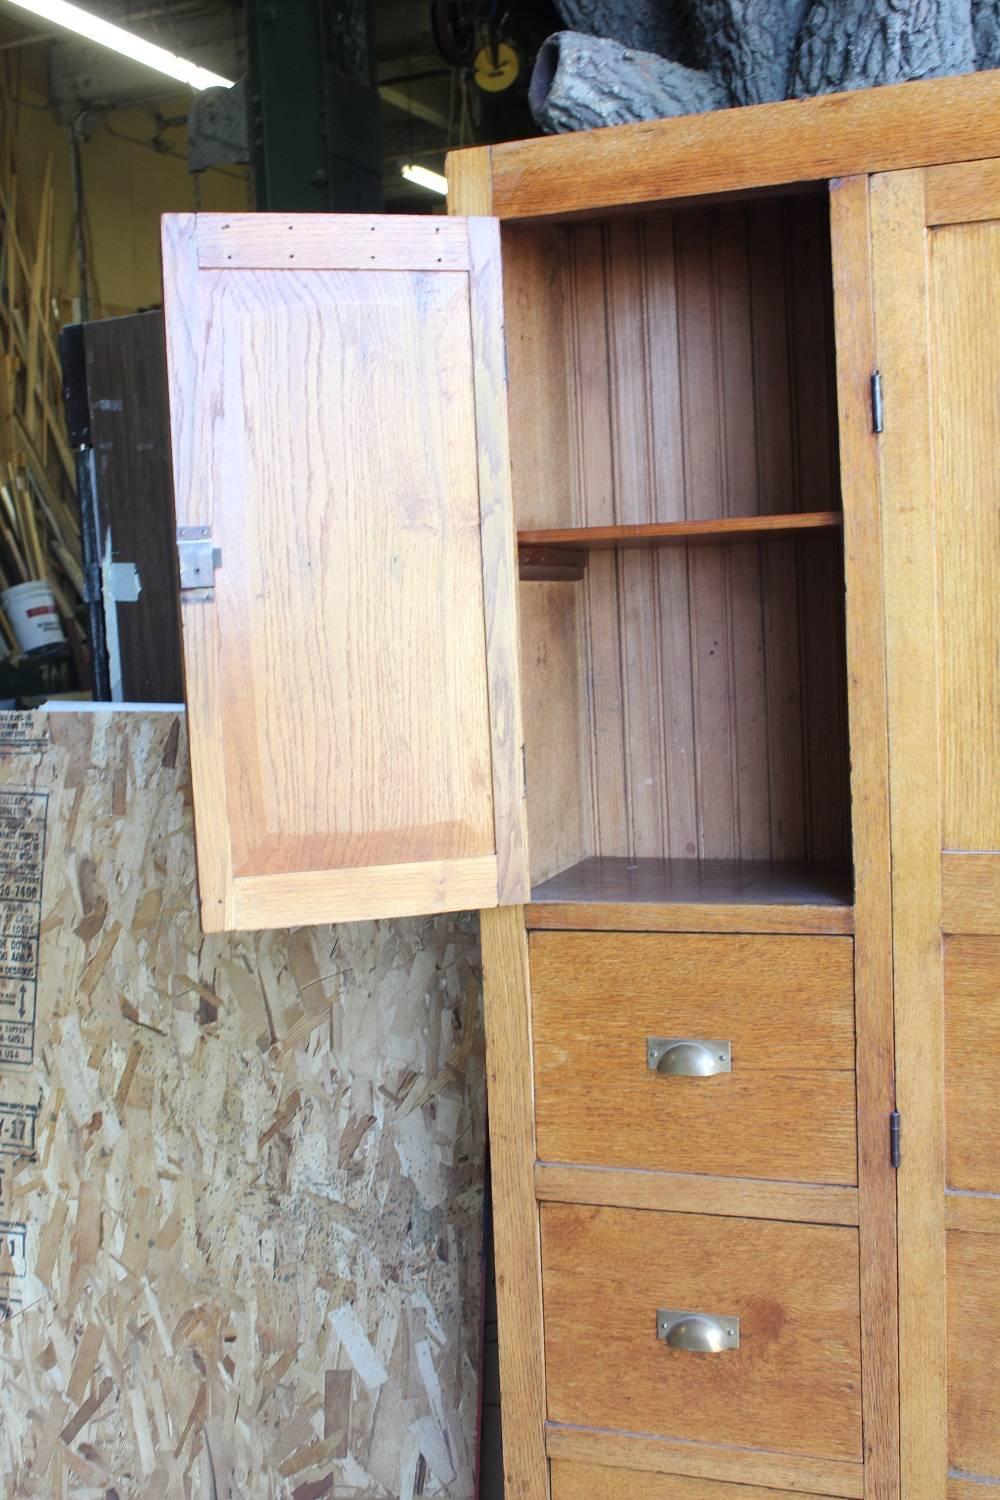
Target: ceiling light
point(61, 13)
point(435, 182)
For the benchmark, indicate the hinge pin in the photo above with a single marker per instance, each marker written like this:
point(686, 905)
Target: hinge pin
point(895, 1153)
point(877, 414)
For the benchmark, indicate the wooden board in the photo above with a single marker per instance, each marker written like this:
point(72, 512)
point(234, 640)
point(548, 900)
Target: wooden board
point(730, 150)
point(964, 266)
point(515, 1223)
point(970, 892)
point(704, 895)
point(636, 1452)
point(248, 1169)
point(974, 1354)
point(850, 229)
point(348, 761)
point(787, 1109)
point(908, 484)
point(793, 1386)
point(972, 1049)
point(683, 533)
point(130, 431)
point(572, 1481)
point(688, 1192)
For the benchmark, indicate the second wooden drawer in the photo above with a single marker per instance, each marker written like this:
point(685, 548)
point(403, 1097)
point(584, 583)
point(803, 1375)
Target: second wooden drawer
point(792, 1383)
point(784, 1004)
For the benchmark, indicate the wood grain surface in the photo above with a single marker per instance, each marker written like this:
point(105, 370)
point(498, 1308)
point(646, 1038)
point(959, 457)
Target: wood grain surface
point(868, 710)
point(516, 1240)
point(302, 242)
point(973, 1341)
point(972, 1049)
point(572, 1481)
point(696, 895)
point(707, 687)
point(870, 130)
point(963, 192)
point(639, 1453)
point(786, 1005)
point(901, 289)
point(332, 740)
point(689, 1192)
point(964, 267)
point(970, 892)
point(792, 1386)
point(682, 533)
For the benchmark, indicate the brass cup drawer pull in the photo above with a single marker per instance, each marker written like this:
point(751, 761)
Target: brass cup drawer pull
point(688, 1057)
point(697, 1332)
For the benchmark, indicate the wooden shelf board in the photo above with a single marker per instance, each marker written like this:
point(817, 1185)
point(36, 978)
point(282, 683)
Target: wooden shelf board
point(682, 533)
point(691, 895)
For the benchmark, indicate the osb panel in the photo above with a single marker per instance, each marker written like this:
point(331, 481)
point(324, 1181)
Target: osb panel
point(242, 1200)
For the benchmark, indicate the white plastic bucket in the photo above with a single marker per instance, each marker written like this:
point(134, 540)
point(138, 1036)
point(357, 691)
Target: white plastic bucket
point(32, 612)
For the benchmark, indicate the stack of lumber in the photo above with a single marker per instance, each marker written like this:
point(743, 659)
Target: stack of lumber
point(39, 526)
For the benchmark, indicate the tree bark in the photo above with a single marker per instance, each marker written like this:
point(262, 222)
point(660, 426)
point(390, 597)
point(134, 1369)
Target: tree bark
point(854, 44)
point(582, 82)
point(663, 26)
point(748, 45)
point(986, 32)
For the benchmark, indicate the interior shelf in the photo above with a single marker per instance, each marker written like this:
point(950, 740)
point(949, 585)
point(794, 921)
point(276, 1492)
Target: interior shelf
point(748, 895)
point(562, 553)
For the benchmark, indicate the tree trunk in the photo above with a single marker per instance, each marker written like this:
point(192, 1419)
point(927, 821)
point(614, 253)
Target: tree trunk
point(662, 26)
point(855, 44)
point(748, 45)
point(582, 82)
point(986, 32)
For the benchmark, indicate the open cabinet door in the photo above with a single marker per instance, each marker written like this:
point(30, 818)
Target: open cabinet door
point(347, 565)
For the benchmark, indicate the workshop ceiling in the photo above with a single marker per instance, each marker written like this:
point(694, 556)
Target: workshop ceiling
point(434, 96)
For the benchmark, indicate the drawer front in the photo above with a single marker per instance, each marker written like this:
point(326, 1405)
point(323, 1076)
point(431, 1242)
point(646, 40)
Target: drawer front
point(572, 1481)
point(793, 1384)
point(784, 1005)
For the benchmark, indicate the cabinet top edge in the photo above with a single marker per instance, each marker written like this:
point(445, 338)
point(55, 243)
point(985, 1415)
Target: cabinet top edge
point(924, 123)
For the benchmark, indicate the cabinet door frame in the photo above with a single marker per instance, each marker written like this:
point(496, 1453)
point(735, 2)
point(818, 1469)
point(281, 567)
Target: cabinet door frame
point(435, 879)
point(935, 892)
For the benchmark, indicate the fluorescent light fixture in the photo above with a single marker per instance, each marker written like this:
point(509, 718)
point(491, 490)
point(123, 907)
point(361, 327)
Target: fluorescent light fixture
point(61, 13)
point(435, 182)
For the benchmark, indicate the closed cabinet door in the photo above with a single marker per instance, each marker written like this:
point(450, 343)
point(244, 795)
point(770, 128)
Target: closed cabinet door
point(936, 249)
point(347, 565)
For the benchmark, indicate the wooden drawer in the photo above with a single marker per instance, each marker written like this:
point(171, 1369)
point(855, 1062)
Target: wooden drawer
point(571, 1481)
point(786, 1006)
point(793, 1385)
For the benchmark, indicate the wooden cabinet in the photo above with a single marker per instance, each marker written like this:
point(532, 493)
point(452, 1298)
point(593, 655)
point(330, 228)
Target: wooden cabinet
point(719, 771)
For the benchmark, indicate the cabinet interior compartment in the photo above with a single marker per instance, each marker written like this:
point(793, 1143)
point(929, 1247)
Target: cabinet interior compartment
point(682, 703)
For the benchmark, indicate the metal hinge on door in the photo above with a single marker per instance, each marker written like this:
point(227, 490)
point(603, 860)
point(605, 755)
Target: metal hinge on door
point(197, 563)
point(895, 1153)
point(876, 386)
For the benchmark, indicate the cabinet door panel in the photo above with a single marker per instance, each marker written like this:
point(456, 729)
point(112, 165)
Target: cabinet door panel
point(936, 239)
point(339, 430)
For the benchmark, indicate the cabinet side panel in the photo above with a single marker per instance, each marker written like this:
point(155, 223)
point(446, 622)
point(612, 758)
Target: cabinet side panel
point(510, 1092)
point(550, 614)
point(866, 663)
